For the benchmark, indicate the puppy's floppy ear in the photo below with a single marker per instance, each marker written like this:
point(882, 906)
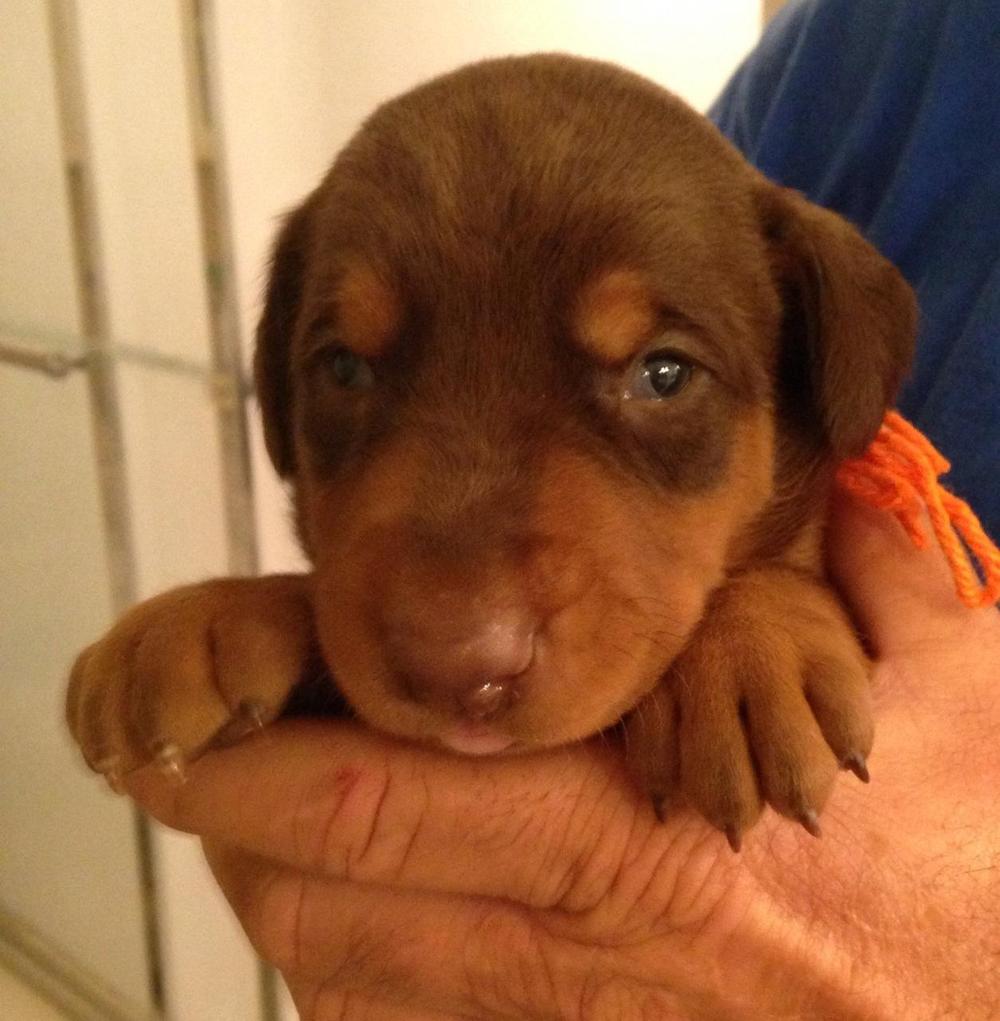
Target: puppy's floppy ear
point(849, 321)
point(272, 369)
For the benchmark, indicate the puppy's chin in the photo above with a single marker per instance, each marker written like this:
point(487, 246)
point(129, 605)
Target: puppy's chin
point(461, 737)
point(400, 718)
point(478, 739)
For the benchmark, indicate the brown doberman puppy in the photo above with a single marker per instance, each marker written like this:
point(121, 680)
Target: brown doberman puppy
point(558, 382)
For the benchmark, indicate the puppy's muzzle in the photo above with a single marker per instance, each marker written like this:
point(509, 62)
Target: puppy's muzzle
point(457, 655)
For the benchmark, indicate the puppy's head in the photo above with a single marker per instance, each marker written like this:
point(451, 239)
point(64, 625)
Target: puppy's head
point(544, 359)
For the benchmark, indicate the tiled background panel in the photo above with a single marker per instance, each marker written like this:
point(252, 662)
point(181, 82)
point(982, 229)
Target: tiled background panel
point(37, 277)
point(136, 104)
point(68, 860)
point(174, 477)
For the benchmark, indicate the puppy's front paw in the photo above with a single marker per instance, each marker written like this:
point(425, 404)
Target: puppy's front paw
point(189, 667)
point(768, 700)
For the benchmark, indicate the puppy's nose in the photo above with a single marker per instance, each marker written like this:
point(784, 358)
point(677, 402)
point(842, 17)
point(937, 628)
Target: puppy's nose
point(484, 701)
point(472, 667)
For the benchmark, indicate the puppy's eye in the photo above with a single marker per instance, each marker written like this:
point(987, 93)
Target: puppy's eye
point(659, 375)
point(345, 368)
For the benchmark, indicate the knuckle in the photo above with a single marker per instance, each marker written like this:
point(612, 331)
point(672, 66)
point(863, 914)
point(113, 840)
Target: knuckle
point(507, 967)
point(396, 810)
point(274, 924)
point(366, 960)
point(582, 866)
point(322, 816)
point(514, 965)
point(602, 996)
point(357, 822)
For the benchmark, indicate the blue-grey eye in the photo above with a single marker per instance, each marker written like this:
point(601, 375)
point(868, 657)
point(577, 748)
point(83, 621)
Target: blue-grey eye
point(659, 375)
point(349, 370)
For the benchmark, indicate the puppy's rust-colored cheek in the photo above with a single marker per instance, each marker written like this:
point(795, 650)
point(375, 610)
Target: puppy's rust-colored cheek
point(624, 593)
point(614, 315)
point(358, 530)
point(339, 515)
point(630, 570)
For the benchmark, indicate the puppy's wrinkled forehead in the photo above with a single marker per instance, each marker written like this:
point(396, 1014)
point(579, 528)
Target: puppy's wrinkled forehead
point(506, 189)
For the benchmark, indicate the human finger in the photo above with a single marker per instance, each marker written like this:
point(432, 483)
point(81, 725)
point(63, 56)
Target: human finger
point(343, 944)
point(904, 597)
point(335, 799)
point(318, 1002)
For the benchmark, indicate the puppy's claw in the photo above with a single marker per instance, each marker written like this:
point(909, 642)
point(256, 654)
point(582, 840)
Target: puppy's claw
point(856, 763)
point(110, 769)
point(252, 713)
point(661, 807)
point(249, 717)
point(106, 765)
point(735, 839)
point(171, 762)
point(810, 822)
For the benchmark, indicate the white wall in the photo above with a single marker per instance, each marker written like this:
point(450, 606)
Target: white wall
point(68, 863)
point(295, 80)
point(142, 146)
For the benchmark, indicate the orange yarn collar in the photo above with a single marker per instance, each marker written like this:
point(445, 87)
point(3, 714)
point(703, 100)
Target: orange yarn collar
point(899, 473)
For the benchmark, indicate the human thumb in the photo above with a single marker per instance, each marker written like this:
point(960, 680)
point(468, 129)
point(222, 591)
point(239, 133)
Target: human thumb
point(901, 596)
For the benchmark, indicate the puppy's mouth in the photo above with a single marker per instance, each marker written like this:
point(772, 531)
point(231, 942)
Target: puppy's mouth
point(469, 738)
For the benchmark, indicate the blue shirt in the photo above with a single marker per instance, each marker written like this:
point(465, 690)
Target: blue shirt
point(888, 111)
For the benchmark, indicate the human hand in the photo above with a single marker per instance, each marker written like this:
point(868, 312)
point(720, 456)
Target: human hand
point(388, 881)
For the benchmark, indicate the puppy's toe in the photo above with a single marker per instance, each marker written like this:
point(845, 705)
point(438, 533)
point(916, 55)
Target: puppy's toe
point(213, 670)
point(716, 768)
point(773, 696)
point(97, 688)
point(187, 669)
point(838, 689)
point(795, 766)
point(651, 748)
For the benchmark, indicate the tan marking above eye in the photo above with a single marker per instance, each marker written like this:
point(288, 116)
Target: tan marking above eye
point(615, 314)
point(368, 311)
